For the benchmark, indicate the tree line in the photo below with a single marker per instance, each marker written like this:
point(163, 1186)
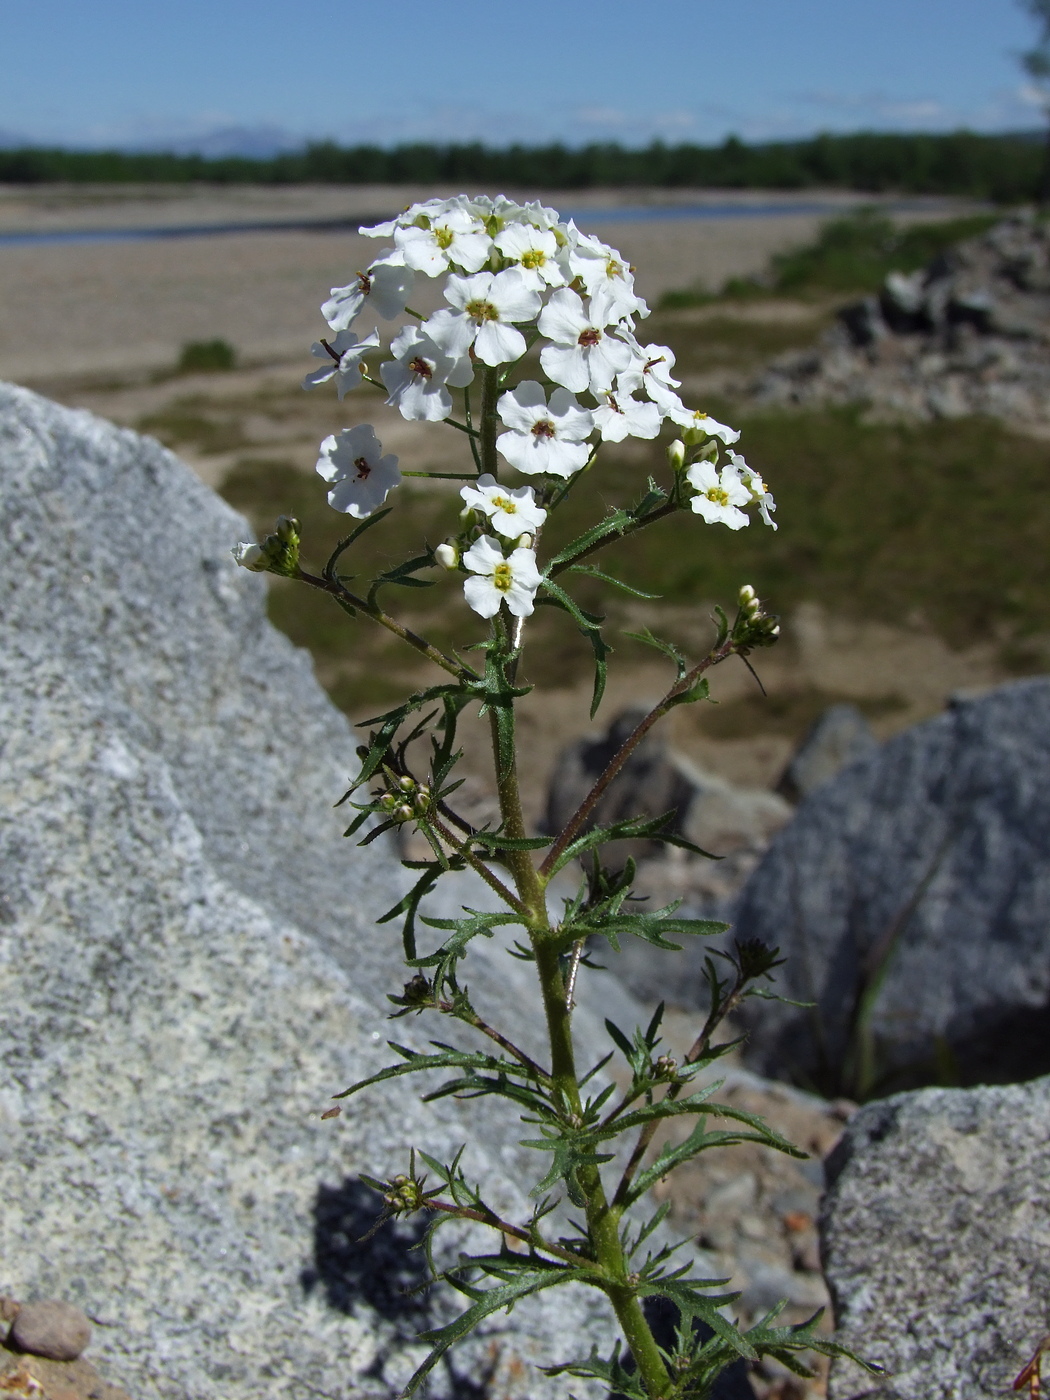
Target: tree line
point(1003, 168)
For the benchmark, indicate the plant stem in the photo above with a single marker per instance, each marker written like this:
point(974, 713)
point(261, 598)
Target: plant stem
point(349, 600)
point(587, 806)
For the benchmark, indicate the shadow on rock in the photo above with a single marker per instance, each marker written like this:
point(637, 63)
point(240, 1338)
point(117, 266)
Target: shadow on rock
point(384, 1270)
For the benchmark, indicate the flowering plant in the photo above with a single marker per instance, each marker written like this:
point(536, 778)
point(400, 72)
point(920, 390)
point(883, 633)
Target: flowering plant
point(518, 279)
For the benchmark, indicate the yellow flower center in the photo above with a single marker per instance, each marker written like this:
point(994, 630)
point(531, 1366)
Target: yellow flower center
point(479, 311)
point(716, 494)
point(502, 577)
point(443, 235)
point(533, 259)
point(505, 503)
point(613, 268)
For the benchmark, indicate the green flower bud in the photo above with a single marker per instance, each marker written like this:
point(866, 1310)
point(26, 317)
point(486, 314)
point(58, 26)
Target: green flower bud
point(676, 455)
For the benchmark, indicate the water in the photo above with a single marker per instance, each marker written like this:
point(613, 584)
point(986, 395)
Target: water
point(643, 213)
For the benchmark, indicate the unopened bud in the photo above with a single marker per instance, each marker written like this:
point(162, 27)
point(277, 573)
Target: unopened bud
point(406, 784)
point(524, 542)
point(402, 814)
point(676, 455)
point(287, 529)
point(250, 556)
point(447, 555)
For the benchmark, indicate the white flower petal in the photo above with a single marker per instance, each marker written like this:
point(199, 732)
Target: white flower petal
point(497, 344)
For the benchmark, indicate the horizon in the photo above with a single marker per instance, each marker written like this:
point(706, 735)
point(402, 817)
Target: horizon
point(260, 78)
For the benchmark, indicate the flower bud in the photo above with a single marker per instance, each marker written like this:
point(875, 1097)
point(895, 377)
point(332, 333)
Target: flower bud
point(676, 455)
point(447, 555)
point(524, 542)
point(250, 556)
point(287, 529)
point(406, 784)
point(402, 814)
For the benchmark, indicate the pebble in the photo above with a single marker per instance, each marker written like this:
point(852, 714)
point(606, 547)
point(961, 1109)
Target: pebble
point(50, 1328)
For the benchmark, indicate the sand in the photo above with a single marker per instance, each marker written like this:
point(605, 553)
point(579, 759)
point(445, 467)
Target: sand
point(128, 307)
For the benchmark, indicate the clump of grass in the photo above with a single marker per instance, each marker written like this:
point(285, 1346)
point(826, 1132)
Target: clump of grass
point(207, 356)
point(193, 422)
point(851, 255)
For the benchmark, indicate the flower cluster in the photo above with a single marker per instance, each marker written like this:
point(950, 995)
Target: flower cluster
point(516, 277)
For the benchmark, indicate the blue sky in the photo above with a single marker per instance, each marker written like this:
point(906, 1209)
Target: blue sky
point(184, 72)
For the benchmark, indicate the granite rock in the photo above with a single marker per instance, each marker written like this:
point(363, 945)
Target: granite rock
point(936, 1241)
point(909, 896)
point(189, 965)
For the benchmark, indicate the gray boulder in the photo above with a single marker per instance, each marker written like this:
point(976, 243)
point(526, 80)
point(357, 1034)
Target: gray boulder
point(910, 896)
point(190, 967)
point(936, 1241)
point(838, 736)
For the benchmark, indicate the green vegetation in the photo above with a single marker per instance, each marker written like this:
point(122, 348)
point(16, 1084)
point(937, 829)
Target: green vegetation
point(945, 521)
point(197, 355)
point(852, 254)
point(1001, 168)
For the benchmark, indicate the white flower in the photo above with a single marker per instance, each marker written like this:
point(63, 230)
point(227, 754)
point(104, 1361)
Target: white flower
point(620, 415)
point(512, 513)
point(386, 286)
point(719, 494)
point(513, 580)
point(760, 493)
point(603, 269)
point(544, 438)
point(341, 356)
point(447, 555)
point(250, 556)
point(360, 476)
point(650, 370)
point(535, 250)
point(697, 425)
point(416, 379)
point(453, 237)
point(583, 355)
point(428, 209)
point(485, 305)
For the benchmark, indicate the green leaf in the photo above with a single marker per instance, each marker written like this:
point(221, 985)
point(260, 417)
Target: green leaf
point(532, 1278)
point(494, 841)
point(415, 1062)
point(444, 960)
point(409, 906)
point(654, 927)
point(634, 828)
point(588, 623)
point(613, 524)
point(402, 575)
point(592, 572)
point(658, 644)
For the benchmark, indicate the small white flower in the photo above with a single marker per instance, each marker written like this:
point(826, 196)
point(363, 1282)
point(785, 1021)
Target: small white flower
point(484, 307)
point(650, 370)
point(341, 359)
point(535, 250)
point(455, 237)
point(360, 476)
point(697, 425)
point(583, 355)
point(447, 555)
point(416, 379)
point(512, 513)
point(719, 494)
point(620, 415)
point(250, 556)
point(513, 580)
point(386, 286)
point(603, 270)
point(544, 438)
point(428, 209)
point(760, 493)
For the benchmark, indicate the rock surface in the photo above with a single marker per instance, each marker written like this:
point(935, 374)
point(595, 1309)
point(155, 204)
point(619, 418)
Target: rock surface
point(839, 736)
point(24, 1377)
point(936, 1241)
point(51, 1328)
point(909, 897)
point(971, 334)
point(189, 967)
